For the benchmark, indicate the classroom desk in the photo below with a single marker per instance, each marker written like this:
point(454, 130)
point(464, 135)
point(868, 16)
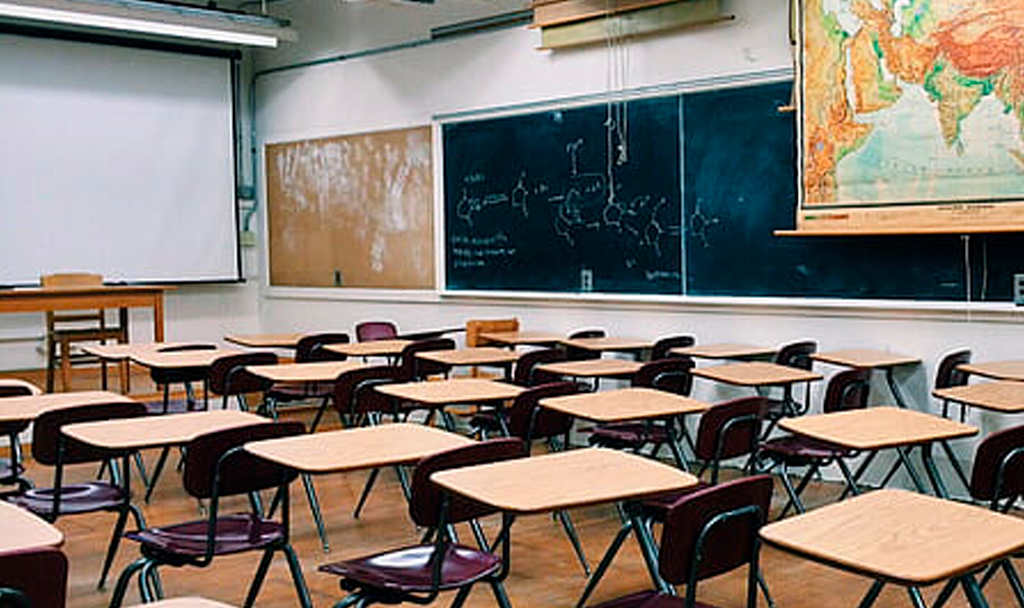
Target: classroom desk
point(609, 344)
point(1003, 396)
point(314, 371)
point(483, 356)
point(523, 338)
point(286, 340)
point(373, 348)
point(633, 403)
point(867, 358)
point(997, 370)
point(725, 350)
point(565, 480)
point(29, 407)
point(356, 449)
point(761, 374)
point(157, 431)
point(593, 368)
point(436, 395)
point(901, 537)
point(877, 428)
point(122, 297)
point(24, 530)
point(183, 361)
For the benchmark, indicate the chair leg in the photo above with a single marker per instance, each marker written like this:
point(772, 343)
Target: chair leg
point(65, 365)
point(602, 567)
point(461, 596)
point(51, 362)
point(366, 492)
point(153, 576)
point(300, 582)
point(570, 531)
point(117, 597)
point(314, 508)
point(257, 579)
point(763, 584)
point(115, 540)
point(1015, 584)
point(156, 472)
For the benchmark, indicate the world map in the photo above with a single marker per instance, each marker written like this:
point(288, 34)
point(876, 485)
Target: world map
point(912, 101)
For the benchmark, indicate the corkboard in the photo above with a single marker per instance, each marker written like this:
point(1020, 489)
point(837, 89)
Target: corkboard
point(352, 211)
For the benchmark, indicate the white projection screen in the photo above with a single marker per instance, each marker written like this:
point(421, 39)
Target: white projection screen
point(116, 160)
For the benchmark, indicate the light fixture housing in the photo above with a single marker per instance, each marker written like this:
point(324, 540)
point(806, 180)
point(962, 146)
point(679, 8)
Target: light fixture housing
point(150, 20)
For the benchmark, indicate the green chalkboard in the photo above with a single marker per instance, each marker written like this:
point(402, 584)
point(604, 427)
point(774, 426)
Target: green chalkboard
point(710, 175)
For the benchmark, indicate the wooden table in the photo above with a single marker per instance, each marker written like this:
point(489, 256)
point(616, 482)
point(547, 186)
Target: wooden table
point(997, 370)
point(1004, 396)
point(122, 297)
point(565, 480)
point(523, 338)
point(373, 348)
point(901, 537)
point(285, 340)
point(725, 350)
point(593, 368)
point(867, 358)
point(24, 530)
point(877, 428)
point(436, 395)
point(634, 403)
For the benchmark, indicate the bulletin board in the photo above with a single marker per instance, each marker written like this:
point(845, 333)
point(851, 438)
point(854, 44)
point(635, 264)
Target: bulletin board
point(352, 211)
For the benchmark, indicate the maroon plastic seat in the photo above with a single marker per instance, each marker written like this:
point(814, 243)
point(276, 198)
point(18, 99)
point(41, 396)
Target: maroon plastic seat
point(36, 578)
point(12, 470)
point(308, 349)
point(575, 353)
point(662, 346)
point(707, 533)
point(846, 390)
point(726, 431)
point(216, 467)
point(52, 448)
point(368, 331)
point(798, 355)
point(418, 573)
point(228, 378)
point(672, 375)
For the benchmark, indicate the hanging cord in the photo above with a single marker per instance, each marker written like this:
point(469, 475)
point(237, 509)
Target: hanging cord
point(966, 240)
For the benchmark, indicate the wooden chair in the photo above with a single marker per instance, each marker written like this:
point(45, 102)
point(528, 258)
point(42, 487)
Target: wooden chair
point(63, 329)
point(475, 327)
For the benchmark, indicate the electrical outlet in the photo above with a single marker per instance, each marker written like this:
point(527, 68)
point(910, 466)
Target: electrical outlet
point(1018, 289)
point(586, 279)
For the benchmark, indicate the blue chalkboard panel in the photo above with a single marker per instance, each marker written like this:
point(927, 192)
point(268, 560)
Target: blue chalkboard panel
point(580, 199)
point(532, 203)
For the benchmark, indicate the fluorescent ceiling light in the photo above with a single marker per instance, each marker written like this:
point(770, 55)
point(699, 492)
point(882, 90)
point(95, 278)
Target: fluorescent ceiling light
point(229, 33)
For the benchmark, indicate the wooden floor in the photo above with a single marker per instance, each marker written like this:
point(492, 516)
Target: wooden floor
point(544, 570)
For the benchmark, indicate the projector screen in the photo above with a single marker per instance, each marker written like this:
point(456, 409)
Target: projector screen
point(115, 160)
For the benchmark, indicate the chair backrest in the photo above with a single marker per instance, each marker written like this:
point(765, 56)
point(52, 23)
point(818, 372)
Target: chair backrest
point(41, 575)
point(213, 456)
point(367, 331)
point(414, 368)
point(50, 447)
point(229, 377)
point(353, 390)
point(475, 327)
point(425, 498)
point(310, 348)
point(526, 374)
point(574, 353)
point(65, 280)
point(171, 375)
point(663, 345)
point(13, 387)
point(714, 530)
point(797, 354)
point(948, 374)
point(527, 420)
point(847, 390)
point(998, 471)
point(728, 430)
point(671, 375)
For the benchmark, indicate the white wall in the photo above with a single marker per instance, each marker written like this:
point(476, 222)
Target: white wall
point(409, 87)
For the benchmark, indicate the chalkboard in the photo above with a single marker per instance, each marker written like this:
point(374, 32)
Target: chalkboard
point(537, 202)
point(731, 154)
